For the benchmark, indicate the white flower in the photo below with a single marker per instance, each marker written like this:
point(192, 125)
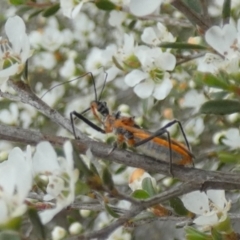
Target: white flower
point(154, 78)
point(52, 38)
point(52, 96)
point(45, 60)
point(156, 36)
point(61, 177)
point(127, 51)
point(120, 234)
point(99, 58)
point(226, 42)
point(84, 213)
point(11, 115)
point(15, 54)
point(193, 99)
point(194, 127)
point(15, 184)
point(85, 30)
point(116, 18)
point(58, 233)
point(70, 8)
point(142, 7)
point(211, 207)
point(232, 138)
point(75, 228)
point(68, 69)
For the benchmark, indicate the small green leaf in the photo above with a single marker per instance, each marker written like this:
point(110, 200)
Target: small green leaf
point(81, 188)
point(224, 226)
point(194, 234)
point(121, 169)
point(38, 228)
point(107, 179)
point(211, 80)
point(111, 211)
point(118, 65)
point(35, 13)
point(216, 235)
point(218, 95)
point(18, 2)
point(13, 224)
point(9, 235)
point(193, 5)
point(226, 10)
point(140, 194)
point(148, 187)
point(220, 107)
point(178, 206)
point(179, 45)
point(105, 5)
point(51, 11)
point(227, 157)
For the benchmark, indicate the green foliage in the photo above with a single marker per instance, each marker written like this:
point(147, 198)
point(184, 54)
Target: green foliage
point(38, 228)
point(9, 235)
point(178, 206)
point(194, 234)
point(211, 80)
point(18, 2)
point(107, 179)
point(111, 211)
point(228, 157)
point(179, 45)
point(105, 5)
point(51, 11)
point(226, 11)
point(148, 186)
point(140, 194)
point(220, 107)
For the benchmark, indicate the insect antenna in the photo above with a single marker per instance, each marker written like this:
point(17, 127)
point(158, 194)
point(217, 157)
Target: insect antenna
point(59, 84)
point(104, 84)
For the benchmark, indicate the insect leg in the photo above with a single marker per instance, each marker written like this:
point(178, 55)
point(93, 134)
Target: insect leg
point(80, 116)
point(158, 134)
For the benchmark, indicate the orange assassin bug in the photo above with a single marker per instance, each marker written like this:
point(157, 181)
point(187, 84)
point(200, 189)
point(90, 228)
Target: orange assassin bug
point(126, 130)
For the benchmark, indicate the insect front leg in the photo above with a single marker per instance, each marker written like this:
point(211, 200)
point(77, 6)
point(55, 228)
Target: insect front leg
point(88, 122)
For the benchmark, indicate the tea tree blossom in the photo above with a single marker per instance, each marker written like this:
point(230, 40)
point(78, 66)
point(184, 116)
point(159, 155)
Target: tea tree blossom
point(211, 208)
point(153, 79)
point(226, 42)
point(61, 177)
point(14, 184)
point(155, 36)
point(142, 8)
point(232, 138)
point(70, 8)
point(15, 50)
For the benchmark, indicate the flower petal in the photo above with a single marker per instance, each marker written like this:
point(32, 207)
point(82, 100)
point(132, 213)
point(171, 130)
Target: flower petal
point(45, 158)
point(167, 61)
point(221, 39)
point(135, 77)
point(163, 89)
point(144, 89)
point(217, 197)
point(143, 7)
point(196, 202)
point(206, 220)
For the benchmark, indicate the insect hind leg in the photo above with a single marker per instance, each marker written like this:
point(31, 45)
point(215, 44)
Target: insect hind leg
point(162, 131)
